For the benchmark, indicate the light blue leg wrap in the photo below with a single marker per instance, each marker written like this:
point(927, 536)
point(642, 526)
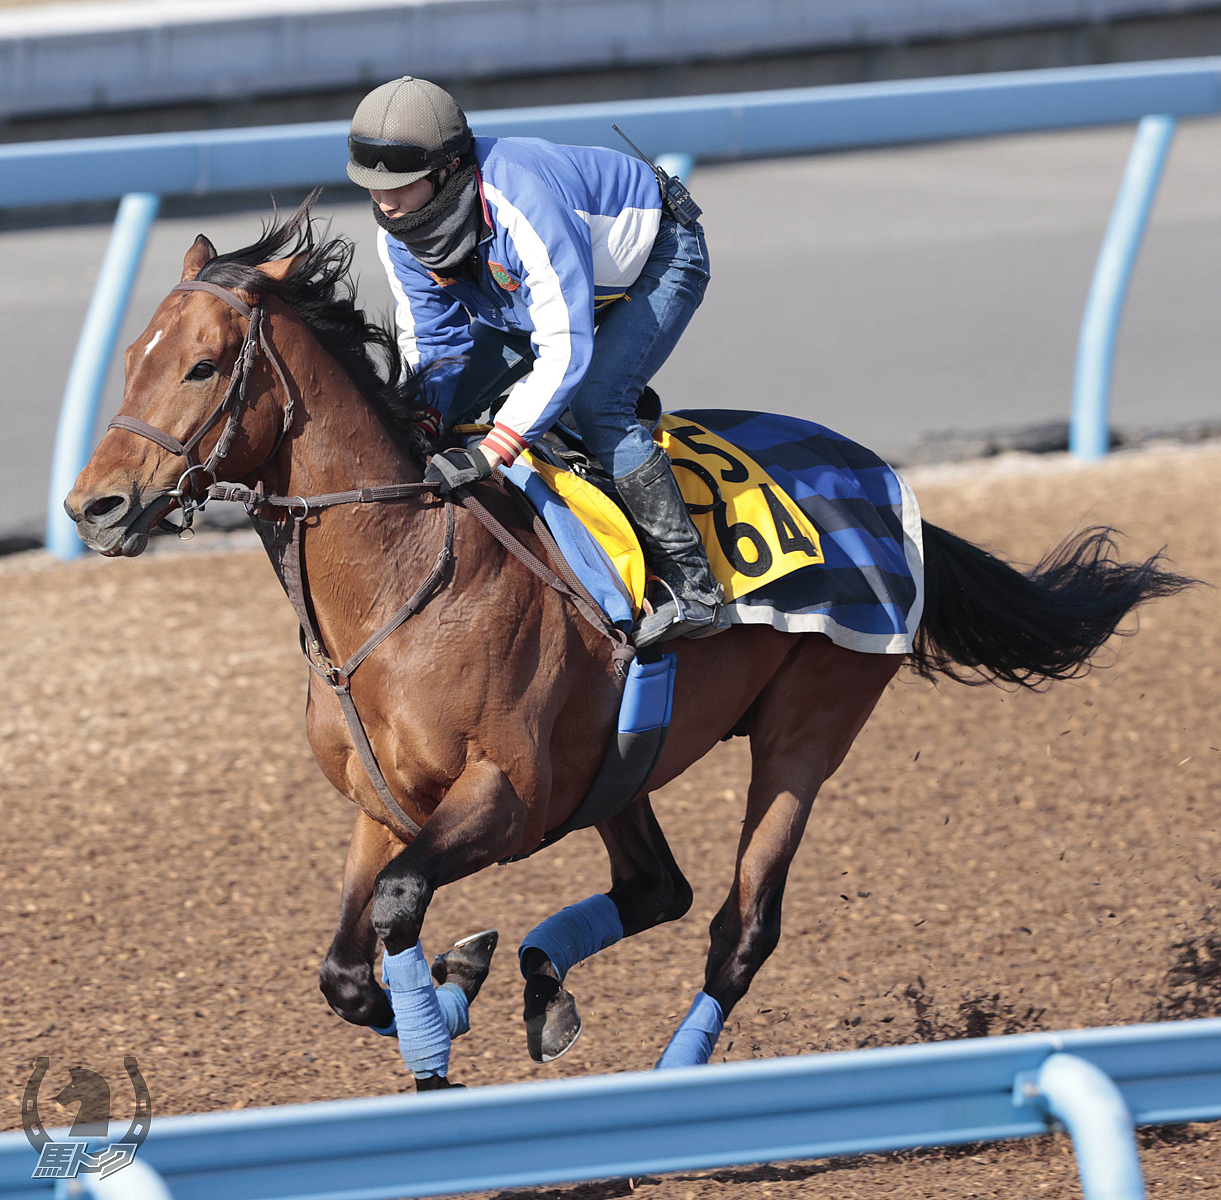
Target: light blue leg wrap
point(455, 1008)
point(693, 1040)
point(575, 933)
point(424, 1035)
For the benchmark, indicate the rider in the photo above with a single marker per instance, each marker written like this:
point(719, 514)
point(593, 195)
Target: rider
point(504, 255)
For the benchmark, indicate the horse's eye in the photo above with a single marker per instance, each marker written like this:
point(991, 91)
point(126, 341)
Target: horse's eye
point(202, 370)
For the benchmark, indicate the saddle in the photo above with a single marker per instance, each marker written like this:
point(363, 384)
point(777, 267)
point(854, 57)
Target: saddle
point(805, 529)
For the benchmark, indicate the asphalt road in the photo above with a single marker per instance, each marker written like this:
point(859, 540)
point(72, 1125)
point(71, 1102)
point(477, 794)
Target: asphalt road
point(884, 293)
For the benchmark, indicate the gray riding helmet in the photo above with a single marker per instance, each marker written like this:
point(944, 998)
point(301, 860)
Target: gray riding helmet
point(402, 131)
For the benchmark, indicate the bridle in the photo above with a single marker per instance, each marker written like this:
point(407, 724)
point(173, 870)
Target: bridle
point(233, 403)
point(284, 539)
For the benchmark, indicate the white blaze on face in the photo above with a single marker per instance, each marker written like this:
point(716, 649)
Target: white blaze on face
point(155, 339)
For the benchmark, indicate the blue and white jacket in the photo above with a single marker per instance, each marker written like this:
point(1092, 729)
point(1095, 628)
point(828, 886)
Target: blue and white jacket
point(572, 227)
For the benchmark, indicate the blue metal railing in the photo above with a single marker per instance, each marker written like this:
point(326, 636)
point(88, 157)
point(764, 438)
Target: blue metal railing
point(709, 128)
point(94, 349)
point(1097, 1083)
point(702, 128)
point(1090, 427)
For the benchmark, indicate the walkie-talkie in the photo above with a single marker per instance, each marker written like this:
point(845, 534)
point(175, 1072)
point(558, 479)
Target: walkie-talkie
point(678, 201)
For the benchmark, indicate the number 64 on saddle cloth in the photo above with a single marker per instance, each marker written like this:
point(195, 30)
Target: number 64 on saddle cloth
point(805, 530)
point(752, 531)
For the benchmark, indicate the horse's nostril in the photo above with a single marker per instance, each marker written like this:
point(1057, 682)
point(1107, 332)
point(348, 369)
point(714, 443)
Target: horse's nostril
point(99, 508)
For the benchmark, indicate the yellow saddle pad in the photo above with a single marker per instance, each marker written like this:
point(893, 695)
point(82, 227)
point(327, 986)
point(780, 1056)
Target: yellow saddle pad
point(752, 529)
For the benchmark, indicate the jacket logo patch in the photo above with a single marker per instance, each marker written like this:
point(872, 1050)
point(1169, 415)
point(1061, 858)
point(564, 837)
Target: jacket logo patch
point(503, 277)
point(440, 279)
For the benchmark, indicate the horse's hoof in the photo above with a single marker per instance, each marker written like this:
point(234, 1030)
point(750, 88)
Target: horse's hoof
point(468, 963)
point(552, 1021)
point(435, 1083)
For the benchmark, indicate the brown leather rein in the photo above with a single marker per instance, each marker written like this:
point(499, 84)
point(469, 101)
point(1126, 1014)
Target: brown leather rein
point(284, 542)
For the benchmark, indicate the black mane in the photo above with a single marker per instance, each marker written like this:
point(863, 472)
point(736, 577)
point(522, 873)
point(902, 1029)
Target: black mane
point(321, 292)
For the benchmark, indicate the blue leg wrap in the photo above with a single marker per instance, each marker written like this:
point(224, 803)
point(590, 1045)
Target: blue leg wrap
point(424, 1036)
point(455, 1008)
point(693, 1040)
point(575, 933)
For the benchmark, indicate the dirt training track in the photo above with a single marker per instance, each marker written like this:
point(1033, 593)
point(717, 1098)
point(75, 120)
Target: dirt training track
point(984, 862)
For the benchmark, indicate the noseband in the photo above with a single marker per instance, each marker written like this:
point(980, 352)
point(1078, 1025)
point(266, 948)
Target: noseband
point(233, 403)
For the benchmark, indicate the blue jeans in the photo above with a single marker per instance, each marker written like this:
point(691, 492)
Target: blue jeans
point(634, 337)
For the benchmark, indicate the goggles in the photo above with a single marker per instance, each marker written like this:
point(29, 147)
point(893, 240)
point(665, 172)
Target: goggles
point(398, 158)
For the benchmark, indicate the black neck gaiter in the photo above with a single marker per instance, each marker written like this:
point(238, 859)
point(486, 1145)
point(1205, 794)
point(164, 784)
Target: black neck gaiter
point(443, 233)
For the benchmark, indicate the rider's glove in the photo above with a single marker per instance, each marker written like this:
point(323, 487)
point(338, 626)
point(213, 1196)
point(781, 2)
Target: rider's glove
point(457, 468)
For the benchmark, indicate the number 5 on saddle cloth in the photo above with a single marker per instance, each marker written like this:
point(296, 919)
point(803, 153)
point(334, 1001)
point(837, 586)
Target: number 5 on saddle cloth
point(806, 531)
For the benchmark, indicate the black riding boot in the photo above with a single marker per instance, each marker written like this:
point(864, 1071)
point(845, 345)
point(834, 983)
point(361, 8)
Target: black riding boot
point(689, 603)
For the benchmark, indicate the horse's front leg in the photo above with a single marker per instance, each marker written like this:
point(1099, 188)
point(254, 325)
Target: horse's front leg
point(346, 976)
point(481, 821)
point(647, 889)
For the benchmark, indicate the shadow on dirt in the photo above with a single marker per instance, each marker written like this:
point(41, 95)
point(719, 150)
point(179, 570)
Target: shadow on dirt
point(977, 1016)
point(1193, 983)
point(612, 1189)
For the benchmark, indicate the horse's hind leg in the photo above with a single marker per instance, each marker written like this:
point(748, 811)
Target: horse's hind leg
point(800, 730)
point(647, 889)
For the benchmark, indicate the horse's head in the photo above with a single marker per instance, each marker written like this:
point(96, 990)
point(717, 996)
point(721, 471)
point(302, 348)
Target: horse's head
point(196, 398)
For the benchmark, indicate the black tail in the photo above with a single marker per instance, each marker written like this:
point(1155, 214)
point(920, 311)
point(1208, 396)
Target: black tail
point(982, 614)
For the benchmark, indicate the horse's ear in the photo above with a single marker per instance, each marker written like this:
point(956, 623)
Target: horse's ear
point(198, 256)
point(280, 269)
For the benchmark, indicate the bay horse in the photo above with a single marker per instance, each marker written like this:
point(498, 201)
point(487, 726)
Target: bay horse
point(489, 711)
